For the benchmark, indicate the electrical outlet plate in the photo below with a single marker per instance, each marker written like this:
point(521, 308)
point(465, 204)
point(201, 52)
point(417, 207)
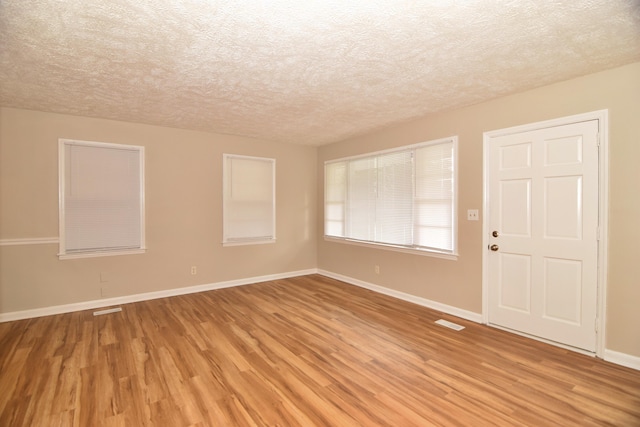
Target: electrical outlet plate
point(473, 215)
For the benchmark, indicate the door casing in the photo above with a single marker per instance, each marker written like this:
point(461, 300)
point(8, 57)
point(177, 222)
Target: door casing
point(603, 202)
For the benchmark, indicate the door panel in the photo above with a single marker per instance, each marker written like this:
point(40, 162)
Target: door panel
point(543, 204)
point(515, 282)
point(562, 207)
point(515, 156)
point(562, 290)
point(563, 151)
point(515, 216)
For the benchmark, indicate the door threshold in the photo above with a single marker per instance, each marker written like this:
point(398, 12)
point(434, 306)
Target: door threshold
point(544, 340)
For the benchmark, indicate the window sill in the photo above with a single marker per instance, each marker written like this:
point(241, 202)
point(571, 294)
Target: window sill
point(101, 254)
point(248, 242)
point(421, 252)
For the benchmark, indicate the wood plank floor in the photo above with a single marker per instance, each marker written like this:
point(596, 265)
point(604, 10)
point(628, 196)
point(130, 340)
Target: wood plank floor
point(306, 351)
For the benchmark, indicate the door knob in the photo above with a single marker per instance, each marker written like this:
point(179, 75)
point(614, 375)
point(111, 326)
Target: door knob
point(494, 247)
point(494, 234)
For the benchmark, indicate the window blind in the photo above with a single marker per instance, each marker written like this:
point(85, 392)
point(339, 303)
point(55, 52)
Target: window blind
point(405, 197)
point(434, 197)
point(101, 197)
point(248, 199)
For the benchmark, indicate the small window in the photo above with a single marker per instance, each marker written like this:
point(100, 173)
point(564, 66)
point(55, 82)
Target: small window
point(101, 199)
point(249, 208)
point(403, 198)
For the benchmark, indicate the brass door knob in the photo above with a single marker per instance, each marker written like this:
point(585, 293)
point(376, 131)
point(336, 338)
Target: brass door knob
point(494, 234)
point(494, 247)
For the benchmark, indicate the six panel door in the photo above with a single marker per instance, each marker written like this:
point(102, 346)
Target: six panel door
point(543, 212)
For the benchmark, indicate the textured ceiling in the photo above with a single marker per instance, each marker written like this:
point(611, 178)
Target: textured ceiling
point(306, 72)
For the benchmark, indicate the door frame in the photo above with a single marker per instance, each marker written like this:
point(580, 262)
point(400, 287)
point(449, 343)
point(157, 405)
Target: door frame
point(603, 215)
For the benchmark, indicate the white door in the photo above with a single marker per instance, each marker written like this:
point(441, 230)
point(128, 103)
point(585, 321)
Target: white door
point(543, 226)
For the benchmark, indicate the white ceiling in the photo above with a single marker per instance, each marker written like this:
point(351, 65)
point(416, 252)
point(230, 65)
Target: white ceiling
point(300, 71)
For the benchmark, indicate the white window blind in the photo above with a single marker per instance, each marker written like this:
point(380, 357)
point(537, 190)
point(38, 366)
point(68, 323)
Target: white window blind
point(248, 200)
point(101, 198)
point(434, 201)
point(404, 198)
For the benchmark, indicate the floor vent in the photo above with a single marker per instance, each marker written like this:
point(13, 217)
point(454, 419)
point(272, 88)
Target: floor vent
point(449, 325)
point(107, 311)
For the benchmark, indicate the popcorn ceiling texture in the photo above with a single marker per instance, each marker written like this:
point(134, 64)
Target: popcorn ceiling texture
point(307, 72)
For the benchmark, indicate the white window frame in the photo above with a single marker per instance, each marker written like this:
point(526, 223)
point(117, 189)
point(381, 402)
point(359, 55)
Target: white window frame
point(451, 255)
point(228, 238)
point(64, 253)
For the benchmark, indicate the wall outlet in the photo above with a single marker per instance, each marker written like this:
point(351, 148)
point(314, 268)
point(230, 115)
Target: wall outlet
point(473, 215)
point(194, 270)
point(104, 292)
point(376, 269)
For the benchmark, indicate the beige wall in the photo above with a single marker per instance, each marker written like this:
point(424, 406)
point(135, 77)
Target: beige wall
point(459, 283)
point(183, 184)
point(183, 212)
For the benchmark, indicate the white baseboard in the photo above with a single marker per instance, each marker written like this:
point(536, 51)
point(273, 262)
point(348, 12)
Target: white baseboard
point(454, 311)
point(107, 302)
point(618, 358)
point(622, 359)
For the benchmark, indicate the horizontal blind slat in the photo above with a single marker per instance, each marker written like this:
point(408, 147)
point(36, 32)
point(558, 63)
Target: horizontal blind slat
point(102, 198)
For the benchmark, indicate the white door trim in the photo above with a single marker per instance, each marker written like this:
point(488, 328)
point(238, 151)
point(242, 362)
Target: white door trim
point(603, 213)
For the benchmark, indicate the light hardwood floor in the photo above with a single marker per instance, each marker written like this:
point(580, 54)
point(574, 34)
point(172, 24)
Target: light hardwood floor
point(306, 351)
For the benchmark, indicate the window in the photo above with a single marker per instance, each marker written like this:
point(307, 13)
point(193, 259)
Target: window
point(101, 199)
point(249, 208)
point(403, 198)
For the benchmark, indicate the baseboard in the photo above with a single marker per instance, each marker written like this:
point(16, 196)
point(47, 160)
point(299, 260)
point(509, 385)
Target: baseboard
point(618, 358)
point(448, 309)
point(622, 359)
point(107, 302)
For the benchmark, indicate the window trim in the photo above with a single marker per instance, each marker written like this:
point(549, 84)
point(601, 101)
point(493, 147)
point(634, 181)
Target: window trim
point(453, 255)
point(62, 253)
point(249, 240)
point(389, 247)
